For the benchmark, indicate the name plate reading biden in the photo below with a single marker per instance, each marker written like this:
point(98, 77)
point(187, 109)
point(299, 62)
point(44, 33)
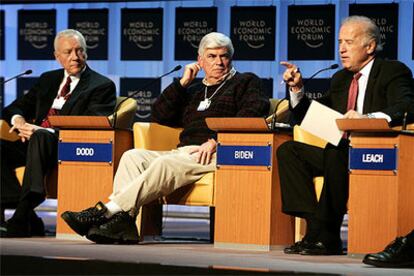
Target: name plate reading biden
point(373, 159)
point(244, 155)
point(85, 152)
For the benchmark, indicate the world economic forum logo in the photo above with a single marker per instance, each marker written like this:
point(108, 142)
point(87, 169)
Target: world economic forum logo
point(253, 32)
point(37, 34)
point(142, 33)
point(311, 31)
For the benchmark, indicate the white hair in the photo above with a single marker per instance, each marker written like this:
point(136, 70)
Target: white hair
point(213, 41)
point(371, 32)
point(71, 33)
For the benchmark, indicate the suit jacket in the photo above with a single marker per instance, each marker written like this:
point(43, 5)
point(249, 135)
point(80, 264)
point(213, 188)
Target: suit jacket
point(93, 95)
point(389, 90)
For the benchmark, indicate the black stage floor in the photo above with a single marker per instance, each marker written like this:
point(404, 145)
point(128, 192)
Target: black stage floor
point(51, 256)
point(183, 250)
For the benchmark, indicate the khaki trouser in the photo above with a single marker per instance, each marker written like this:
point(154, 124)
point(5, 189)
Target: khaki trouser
point(145, 175)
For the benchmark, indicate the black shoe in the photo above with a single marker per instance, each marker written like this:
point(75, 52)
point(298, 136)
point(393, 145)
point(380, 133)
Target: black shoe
point(15, 229)
point(296, 248)
point(37, 227)
point(320, 248)
point(23, 228)
point(82, 221)
point(399, 253)
point(119, 229)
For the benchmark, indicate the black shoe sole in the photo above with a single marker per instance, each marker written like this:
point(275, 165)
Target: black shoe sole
point(73, 224)
point(388, 265)
point(320, 253)
point(121, 238)
point(291, 252)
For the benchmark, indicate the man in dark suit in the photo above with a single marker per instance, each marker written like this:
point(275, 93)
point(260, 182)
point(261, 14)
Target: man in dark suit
point(367, 86)
point(73, 90)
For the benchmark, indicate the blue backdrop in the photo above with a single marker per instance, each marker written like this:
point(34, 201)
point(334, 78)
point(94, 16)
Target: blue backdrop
point(115, 69)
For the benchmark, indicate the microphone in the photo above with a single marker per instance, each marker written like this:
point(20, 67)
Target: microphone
point(134, 93)
point(27, 72)
point(333, 66)
point(274, 117)
point(404, 121)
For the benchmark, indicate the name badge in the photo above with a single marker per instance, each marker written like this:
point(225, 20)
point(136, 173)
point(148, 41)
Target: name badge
point(204, 105)
point(58, 103)
point(373, 159)
point(244, 155)
point(85, 152)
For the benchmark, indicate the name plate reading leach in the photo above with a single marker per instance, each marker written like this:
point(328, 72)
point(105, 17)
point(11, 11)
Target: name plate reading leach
point(372, 159)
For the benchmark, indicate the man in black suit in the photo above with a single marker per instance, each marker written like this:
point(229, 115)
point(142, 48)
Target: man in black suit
point(73, 90)
point(367, 86)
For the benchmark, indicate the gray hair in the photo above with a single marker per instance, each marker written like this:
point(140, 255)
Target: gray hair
point(71, 33)
point(215, 40)
point(371, 30)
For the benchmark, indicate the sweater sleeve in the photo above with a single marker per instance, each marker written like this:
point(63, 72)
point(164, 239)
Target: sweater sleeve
point(252, 102)
point(168, 107)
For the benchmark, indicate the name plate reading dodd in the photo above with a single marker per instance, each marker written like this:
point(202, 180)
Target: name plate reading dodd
point(373, 159)
point(85, 152)
point(244, 155)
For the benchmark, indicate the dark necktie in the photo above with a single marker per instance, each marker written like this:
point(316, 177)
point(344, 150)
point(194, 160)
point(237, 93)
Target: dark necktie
point(52, 112)
point(353, 92)
point(66, 88)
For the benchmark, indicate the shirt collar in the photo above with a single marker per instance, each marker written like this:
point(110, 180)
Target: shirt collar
point(227, 76)
point(367, 69)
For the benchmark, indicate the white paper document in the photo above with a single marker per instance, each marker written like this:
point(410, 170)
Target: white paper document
point(320, 120)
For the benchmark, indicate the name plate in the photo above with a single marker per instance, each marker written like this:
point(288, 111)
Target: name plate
point(85, 152)
point(373, 159)
point(244, 155)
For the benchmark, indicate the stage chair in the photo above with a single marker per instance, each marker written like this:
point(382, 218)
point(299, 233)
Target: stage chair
point(301, 135)
point(125, 113)
point(278, 107)
point(153, 136)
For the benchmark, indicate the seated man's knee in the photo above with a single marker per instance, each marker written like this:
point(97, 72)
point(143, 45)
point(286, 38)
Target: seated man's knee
point(41, 136)
point(132, 153)
point(285, 149)
point(40, 133)
point(164, 162)
point(335, 154)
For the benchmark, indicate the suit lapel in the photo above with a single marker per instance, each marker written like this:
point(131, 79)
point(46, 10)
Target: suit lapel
point(49, 96)
point(372, 79)
point(77, 92)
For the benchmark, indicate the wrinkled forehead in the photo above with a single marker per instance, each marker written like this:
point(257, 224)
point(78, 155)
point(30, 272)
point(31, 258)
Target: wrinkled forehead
point(216, 51)
point(351, 30)
point(68, 42)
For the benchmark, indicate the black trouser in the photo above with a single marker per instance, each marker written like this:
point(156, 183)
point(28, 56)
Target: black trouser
point(299, 163)
point(13, 155)
point(39, 155)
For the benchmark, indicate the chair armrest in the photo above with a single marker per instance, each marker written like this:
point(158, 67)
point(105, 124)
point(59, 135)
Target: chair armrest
point(153, 136)
point(281, 111)
point(125, 113)
point(5, 135)
point(301, 135)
